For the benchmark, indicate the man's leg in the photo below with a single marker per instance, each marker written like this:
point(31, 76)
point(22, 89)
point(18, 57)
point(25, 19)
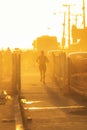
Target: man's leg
point(40, 69)
point(40, 75)
point(43, 76)
point(44, 71)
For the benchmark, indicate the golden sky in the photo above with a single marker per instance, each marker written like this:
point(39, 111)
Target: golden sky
point(21, 21)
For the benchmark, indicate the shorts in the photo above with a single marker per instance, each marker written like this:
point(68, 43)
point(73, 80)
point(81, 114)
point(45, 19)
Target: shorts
point(42, 68)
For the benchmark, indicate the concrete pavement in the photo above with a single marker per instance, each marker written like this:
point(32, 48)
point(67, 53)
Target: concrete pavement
point(49, 106)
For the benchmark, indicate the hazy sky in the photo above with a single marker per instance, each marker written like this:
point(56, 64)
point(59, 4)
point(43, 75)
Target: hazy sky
point(21, 21)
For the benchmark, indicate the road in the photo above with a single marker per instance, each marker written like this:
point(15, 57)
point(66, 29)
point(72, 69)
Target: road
point(51, 107)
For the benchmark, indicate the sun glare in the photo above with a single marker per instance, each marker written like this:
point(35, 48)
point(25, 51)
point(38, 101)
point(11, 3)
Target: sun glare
point(23, 21)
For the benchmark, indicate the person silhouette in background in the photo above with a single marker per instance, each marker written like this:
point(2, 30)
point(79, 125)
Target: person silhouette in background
point(42, 60)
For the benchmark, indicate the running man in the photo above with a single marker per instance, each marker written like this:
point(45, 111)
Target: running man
point(42, 60)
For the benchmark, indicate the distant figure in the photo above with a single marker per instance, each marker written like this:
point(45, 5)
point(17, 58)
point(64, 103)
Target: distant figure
point(42, 60)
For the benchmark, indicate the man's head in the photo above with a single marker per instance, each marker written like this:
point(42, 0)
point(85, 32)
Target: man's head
point(42, 52)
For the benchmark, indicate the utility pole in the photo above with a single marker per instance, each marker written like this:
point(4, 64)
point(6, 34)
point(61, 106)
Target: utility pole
point(63, 38)
point(83, 13)
point(76, 18)
point(63, 35)
point(68, 5)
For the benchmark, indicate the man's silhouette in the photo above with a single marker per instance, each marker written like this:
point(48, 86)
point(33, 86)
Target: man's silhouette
point(42, 60)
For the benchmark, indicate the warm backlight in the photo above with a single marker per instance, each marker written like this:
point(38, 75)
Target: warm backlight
point(21, 21)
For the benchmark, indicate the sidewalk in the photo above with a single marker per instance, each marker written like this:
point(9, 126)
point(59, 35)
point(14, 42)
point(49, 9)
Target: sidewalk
point(50, 106)
point(42, 103)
